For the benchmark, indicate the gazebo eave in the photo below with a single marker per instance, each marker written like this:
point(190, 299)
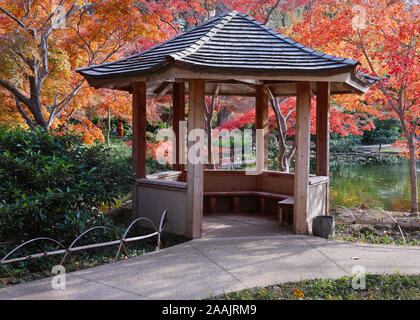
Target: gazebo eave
point(234, 82)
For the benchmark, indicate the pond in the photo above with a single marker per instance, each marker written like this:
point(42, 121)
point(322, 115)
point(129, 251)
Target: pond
point(355, 183)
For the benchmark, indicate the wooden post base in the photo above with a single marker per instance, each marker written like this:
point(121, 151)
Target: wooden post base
point(280, 215)
point(262, 205)
point(212, 205)
point(235, 204)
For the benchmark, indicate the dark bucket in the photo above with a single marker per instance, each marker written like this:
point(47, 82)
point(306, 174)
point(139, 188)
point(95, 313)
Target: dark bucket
point(323, 226)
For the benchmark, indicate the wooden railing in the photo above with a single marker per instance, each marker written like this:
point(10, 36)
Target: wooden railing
point(267, 180)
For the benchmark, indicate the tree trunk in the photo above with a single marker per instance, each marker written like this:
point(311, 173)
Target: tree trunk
point(281, 158)
point(412, 158)
point(222, 116)
point(109, 127)
point(284, 157)
point(209, 117)
point(209, 142)
point(413, 174)
point(39, 118)
point(38, 64)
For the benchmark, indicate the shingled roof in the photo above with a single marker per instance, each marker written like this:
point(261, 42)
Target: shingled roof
point(231, 44)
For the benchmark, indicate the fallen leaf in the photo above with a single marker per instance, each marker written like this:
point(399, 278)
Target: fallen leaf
point(6, 281)
point(298, 293)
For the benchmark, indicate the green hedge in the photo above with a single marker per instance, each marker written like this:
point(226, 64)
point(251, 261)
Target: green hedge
point(53, 185)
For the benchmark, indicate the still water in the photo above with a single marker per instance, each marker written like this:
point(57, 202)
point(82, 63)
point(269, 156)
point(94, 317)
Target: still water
point(373, 185)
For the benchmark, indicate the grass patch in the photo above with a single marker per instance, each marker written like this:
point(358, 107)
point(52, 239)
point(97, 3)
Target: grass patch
point(378, 287)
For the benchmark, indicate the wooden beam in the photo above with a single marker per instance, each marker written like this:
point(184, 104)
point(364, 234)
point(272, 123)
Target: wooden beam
point(196, 115)
point(162, 89)
point(301, 179)
point(178, 112)
point(323, 129)
point(181, 73)
point(261, 116)
point(139, 129)
point(323, 134)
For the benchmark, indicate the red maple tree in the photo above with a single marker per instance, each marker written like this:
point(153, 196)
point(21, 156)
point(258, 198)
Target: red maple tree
point(384, 36)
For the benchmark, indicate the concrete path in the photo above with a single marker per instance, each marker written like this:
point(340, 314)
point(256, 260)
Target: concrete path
point(204, 267)
point(242, 225)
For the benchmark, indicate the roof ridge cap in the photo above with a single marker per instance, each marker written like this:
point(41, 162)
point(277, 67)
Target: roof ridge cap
point(296, 44)
point(225, 18)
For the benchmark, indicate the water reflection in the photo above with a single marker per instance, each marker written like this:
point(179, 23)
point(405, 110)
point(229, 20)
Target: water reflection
point(373, 185)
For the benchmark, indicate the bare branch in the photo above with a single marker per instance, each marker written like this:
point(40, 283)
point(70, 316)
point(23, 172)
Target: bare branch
point(170, 24)
point(11, 16)
point(13, 89)
point(59, 108)
point(29, 62)
point(24, 114)
point(26, 9)
point(267, 17)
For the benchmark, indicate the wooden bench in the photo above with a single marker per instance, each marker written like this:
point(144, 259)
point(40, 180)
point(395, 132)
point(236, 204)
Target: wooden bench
point(285, 202)
point(282, 206)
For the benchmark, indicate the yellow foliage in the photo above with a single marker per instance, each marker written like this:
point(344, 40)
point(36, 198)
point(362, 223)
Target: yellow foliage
point(298, 293)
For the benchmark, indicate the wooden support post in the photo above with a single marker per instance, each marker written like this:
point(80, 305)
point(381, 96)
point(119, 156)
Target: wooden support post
point(261, 117)
point(178, 112)
point(135, 202)
point(280, 215)
point(196, 113)
point(323, 133)
point(260, 181)
point(212, 205)
point(262, 205)
point(323, 129)
point(301, 179)
point(139, 129)
point(235, 204)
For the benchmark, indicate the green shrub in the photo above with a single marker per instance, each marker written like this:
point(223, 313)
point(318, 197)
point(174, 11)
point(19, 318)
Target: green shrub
point(344, 144)
point(386, 131)
point(53, 185)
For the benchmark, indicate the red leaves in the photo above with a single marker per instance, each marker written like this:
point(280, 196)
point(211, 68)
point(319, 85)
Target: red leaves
point(342, 123)
point(387, 47)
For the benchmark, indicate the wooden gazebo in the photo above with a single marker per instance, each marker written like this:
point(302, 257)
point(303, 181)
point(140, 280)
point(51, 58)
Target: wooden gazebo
point(239, 56)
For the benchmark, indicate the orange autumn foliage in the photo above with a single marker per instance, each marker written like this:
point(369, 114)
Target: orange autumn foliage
point(95, 31)
point(384, 36)
point(38, 84)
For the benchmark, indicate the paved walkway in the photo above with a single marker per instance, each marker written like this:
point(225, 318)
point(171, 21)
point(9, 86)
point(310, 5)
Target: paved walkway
point(199, 268)
point(228, 225)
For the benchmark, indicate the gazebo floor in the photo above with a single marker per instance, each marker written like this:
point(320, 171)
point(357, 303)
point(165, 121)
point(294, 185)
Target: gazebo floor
point(228, 225)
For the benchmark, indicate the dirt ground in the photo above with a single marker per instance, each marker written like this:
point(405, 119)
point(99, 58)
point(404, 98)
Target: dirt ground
point(374, 226)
